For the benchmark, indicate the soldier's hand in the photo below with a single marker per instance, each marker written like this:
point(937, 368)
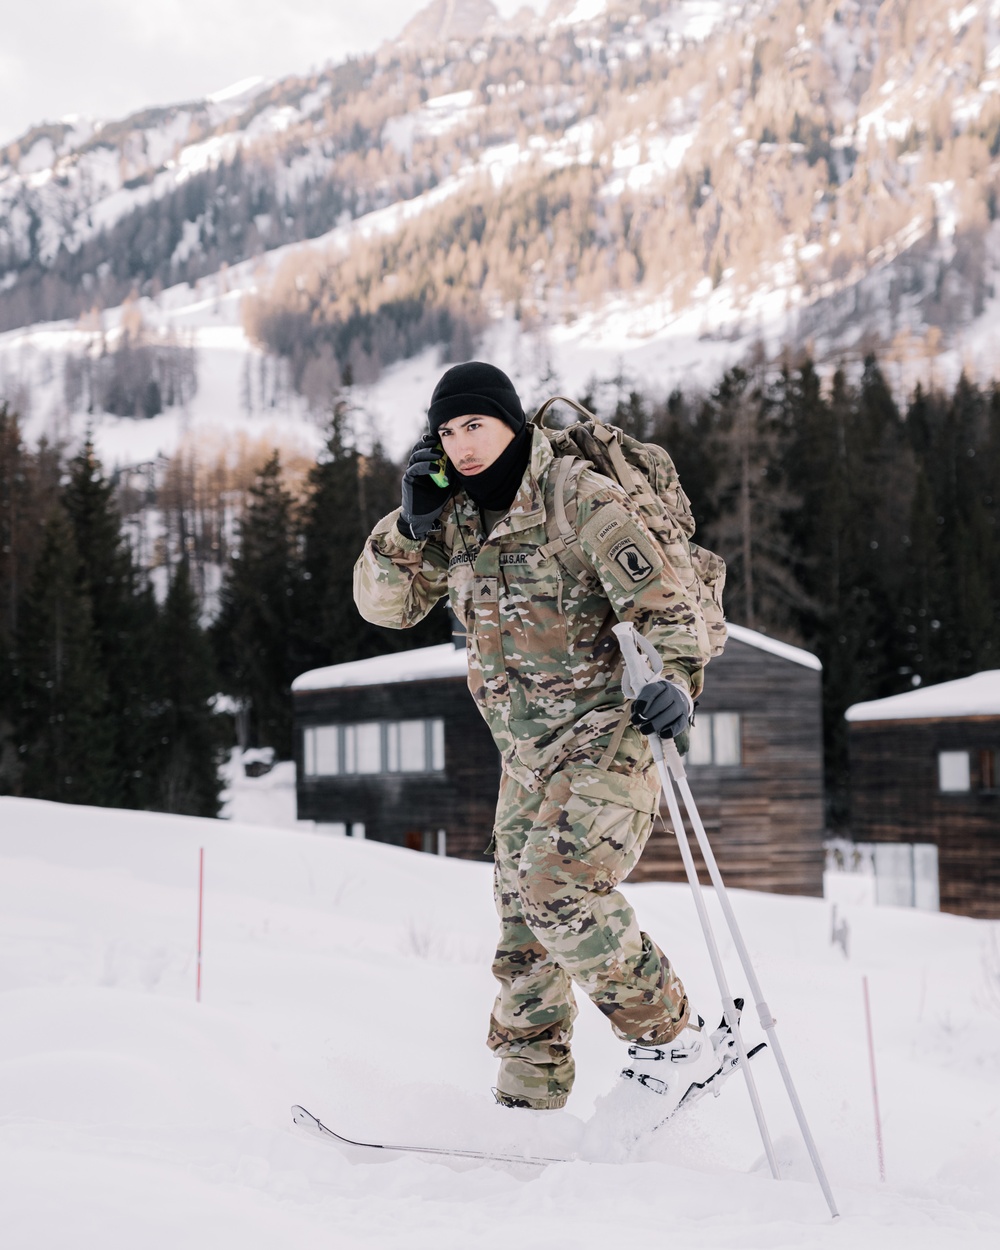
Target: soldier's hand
point(662, 708)
point(423, 500)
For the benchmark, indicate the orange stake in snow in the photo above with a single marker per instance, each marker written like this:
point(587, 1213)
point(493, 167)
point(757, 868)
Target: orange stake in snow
point(871, 1059)
point(201, 891)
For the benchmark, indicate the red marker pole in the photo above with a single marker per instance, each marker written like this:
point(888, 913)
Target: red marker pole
point(201, 892)
point(871, 1059)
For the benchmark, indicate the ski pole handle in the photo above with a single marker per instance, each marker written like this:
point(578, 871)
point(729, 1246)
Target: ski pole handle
point(642, 660)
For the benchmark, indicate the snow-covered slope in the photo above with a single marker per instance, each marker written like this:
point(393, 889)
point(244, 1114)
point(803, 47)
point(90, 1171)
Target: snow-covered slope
point(355, 978)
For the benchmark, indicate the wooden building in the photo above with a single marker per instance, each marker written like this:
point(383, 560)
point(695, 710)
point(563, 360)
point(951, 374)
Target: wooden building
point(925, 772)
point(394, 749)
point(756, 771)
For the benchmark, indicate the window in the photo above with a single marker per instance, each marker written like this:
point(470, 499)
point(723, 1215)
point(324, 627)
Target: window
point(326, 751)
point(906, 875)
point(362, 747)
point(371, 747)
point(989, 770)
point(953, 772)
point(716, 739)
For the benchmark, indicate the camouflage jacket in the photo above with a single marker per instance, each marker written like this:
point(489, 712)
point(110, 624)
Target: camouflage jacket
point(544, 667)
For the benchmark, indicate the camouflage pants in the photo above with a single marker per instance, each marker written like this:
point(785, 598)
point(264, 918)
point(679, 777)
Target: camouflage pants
point(560, 853)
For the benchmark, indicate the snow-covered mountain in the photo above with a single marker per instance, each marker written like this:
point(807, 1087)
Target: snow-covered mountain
point(597, 191)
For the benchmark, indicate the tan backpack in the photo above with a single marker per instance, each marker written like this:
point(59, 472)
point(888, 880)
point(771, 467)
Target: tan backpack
point(647, 474)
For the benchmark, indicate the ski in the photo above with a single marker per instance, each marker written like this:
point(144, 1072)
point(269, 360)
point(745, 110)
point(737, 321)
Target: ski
point(305, 1119)
point(313, 1124)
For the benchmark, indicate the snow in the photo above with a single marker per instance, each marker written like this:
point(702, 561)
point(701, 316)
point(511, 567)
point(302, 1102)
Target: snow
point(763, 643)
point(245, 87)
point(446, 660)
point(354, 978)
point(956, 21)
point(208, 317)
point(978, 695)
point(420, 664)
point(268, 800)
point(582, 11)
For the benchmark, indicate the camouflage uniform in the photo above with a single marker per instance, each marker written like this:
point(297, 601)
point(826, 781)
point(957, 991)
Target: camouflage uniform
point(579, 789)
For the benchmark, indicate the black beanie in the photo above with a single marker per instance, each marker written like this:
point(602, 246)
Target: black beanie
point(473, 388)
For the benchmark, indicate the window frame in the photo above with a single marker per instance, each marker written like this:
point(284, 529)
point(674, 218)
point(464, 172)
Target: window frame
point(954, 756)
point(989, 770)
point(712, 722)
point(352, 735)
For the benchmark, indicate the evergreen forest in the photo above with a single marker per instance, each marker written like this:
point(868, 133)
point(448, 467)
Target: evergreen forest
point(861, 528)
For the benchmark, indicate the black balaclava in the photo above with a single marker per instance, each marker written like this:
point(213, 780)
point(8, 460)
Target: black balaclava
point(494, 489)
point(479, 388)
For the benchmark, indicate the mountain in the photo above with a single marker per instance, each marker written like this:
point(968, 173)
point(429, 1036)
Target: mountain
point(443, 21)
point(653, 186)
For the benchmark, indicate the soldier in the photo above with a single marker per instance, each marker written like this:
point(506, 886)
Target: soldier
point(578, 789)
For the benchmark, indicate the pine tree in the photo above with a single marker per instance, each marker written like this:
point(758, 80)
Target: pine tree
point(967, 618)
point(190, 739)
point(253, 632)
point(348, 493)
point(124, 619)
point(748, 529)
point(683, 427)
point(29, 491)
point(61, 724)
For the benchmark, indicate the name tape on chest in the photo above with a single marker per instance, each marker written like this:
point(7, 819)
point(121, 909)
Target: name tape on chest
point(508, 559)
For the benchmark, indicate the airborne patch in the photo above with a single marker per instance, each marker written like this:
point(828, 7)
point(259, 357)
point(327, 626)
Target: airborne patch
point(631, 559)
point(621, 547)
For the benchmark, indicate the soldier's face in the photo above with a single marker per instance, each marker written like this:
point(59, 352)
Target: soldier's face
point(473, 443)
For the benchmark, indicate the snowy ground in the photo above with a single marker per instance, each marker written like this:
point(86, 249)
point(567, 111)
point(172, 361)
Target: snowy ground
point(267, 800)
point(354, 978)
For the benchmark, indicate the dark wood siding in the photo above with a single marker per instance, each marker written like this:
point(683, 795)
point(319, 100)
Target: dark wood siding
point(764, 818)
point(394, 808)
point(895, 798)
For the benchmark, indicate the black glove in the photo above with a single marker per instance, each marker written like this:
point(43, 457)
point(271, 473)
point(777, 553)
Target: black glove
point(423, 500)
point(662, 708)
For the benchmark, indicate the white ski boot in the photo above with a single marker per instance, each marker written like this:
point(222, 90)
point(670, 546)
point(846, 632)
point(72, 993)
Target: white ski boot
point(656, 1082)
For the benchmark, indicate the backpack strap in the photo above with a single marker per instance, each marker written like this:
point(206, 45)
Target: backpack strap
point(559, 524)
point(629, 477)
point(539, 417)
point(624, 720)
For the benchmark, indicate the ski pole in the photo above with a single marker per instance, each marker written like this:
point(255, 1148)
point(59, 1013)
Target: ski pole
point(640, 658)
point(728, 1005)
point(642, 665)
point(763, 1011)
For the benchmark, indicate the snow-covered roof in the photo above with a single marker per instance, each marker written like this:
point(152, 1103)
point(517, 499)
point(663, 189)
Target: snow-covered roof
point(446, 660)
point(978, 695)
point(763, 643)
point(421, 664)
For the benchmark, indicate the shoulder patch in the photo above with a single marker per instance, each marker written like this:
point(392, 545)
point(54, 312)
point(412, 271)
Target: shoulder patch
point(621, 547)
